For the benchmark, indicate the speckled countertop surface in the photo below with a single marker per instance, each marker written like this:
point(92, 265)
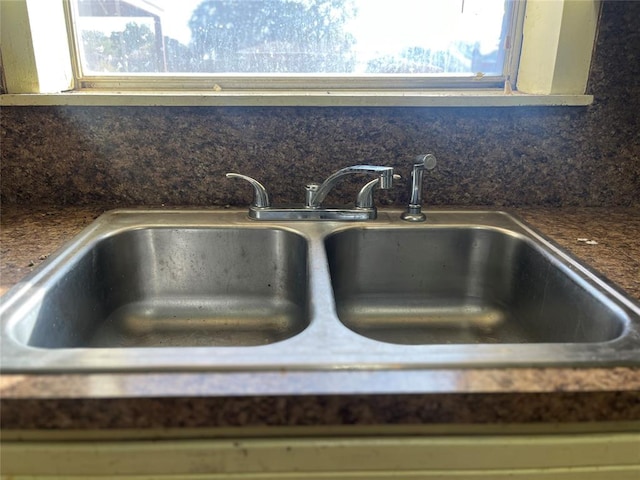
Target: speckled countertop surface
point(443, 396)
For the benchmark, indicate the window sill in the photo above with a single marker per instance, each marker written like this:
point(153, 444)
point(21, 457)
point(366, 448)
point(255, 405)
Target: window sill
point(471, 98)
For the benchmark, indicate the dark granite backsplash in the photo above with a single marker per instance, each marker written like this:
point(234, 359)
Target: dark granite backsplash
point(556, 156)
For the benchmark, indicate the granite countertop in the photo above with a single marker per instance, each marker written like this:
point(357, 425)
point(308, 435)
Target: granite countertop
point(439, 396)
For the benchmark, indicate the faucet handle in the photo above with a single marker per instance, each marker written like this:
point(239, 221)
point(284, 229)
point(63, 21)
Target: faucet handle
point(365, 195)
point(260, 197)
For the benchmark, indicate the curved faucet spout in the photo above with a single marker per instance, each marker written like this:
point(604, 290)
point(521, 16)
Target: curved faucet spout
point(317, 195)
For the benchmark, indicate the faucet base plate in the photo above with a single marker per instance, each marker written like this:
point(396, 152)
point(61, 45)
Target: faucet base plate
point(301, 213)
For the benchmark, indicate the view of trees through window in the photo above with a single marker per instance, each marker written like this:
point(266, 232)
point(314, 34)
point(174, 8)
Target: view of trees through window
point(292, 36)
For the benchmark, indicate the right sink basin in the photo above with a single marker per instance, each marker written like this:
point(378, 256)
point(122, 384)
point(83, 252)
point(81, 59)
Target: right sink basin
point(462, 285)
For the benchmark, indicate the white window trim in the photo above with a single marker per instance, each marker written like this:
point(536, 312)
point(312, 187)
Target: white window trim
point(553, 70)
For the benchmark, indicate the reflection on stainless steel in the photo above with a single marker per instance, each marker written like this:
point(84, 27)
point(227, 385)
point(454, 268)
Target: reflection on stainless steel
point(190, 290)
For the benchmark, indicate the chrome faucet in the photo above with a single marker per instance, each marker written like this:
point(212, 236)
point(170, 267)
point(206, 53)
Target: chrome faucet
point(364, 209)
point(317, 193)
point(365, 195)
point(414, 209)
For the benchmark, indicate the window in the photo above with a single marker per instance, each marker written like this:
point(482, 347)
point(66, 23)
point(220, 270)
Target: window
point(427, 38)
point(273, 52)
point(335, 44)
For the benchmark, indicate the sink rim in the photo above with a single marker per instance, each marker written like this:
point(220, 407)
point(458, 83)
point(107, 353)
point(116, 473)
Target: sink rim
point(345, 351)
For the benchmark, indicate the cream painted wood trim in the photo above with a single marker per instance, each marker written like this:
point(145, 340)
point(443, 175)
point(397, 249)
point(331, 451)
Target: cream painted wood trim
point(35, 63)
point(325, 431)
point(593, 456)
point(557, 46)
point(293, 98)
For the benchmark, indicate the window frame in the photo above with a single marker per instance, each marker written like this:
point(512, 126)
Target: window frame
point(553, 70)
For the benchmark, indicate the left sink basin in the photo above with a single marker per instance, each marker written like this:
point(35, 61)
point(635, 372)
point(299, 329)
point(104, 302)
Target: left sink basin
point(170, 286)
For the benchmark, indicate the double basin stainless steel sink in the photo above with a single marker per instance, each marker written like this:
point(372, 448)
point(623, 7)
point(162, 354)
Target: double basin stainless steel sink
point(194, 290)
